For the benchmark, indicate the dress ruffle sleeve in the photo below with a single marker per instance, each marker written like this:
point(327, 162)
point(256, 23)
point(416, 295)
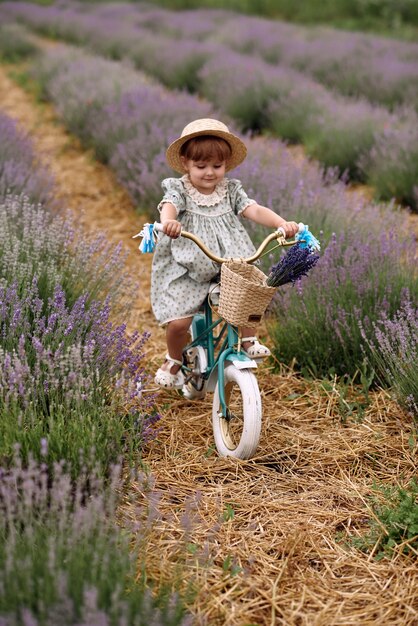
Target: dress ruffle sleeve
point(239, 199)
point(173, 192)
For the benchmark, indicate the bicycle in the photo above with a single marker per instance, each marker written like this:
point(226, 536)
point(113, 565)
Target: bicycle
point(214, 362)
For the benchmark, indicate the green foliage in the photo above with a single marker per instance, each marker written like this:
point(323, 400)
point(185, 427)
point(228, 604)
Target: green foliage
point(393, 17)
point(394, 525)
point(23, 79)
point(352, 394)
point(94, 432)
point(392, 165)
point(228, 513)
point(230, 566)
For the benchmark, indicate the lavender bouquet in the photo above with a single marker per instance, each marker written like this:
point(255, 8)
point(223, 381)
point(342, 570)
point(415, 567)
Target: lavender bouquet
point(297, 262)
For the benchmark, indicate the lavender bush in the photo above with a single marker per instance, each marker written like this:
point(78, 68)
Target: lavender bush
point(298, 189)
point(68, 375)
point(19, 170)
point(81, 88)
point(391, 166)
point(394, 353)
point(14, 43)
point(354, 64)
point(176, 66)
point(52, 246)
point(242, 88)
point(357, 65)
point(62, 358)
point(297, 109)
point(324, 320)
point(344, 132)
point(63, 559)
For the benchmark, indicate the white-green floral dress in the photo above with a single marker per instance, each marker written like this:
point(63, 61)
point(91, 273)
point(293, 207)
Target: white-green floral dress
point(181, 272)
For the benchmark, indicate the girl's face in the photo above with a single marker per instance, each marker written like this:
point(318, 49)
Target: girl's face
point(204, 175)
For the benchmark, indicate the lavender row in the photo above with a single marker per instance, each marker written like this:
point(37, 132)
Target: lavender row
point(367, 141)
point(68, 398)
point(61, 355)
point(383, 70)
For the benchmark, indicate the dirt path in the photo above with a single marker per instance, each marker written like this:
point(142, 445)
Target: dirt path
point(258, 539)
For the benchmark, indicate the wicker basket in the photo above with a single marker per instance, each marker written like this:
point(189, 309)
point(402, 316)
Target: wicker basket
point(244, 294)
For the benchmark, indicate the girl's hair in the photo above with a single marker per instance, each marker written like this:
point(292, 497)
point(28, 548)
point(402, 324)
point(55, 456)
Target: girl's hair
point(206, 147)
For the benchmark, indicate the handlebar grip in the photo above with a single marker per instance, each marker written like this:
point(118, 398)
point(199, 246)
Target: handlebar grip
point(158, 226)
point(282, 231)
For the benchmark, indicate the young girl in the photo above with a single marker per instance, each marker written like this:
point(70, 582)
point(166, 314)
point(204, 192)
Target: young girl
point(204, 202)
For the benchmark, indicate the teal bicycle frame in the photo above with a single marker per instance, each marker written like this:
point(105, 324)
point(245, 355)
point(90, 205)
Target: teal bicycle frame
point(227, 345)
point(218, 349)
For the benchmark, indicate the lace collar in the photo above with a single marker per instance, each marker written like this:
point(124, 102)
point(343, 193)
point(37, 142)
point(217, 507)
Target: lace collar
point(203, 199)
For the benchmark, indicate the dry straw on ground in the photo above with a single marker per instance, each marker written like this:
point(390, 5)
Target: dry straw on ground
point(262, 540)
point(257, 540)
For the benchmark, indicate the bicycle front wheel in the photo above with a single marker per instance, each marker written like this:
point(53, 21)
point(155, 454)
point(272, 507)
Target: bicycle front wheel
point(238, 433)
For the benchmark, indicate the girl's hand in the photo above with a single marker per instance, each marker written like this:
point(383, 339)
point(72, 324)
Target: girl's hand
point(290, 228)
point(172, 228)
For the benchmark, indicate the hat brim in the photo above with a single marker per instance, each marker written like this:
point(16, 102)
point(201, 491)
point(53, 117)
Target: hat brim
point(238, 149)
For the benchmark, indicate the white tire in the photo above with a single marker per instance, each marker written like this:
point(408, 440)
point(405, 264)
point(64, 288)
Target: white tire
point(239, 435)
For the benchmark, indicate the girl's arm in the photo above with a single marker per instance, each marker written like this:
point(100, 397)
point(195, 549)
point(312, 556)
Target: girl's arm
point(168, 217)
point(266, 217)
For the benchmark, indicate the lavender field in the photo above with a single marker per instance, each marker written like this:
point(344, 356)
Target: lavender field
point(105, 517)
point(129, 120)
point(305, 86)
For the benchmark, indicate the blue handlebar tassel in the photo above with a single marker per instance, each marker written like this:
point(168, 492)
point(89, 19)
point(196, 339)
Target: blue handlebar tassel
point(309, 240)
point(149, 238)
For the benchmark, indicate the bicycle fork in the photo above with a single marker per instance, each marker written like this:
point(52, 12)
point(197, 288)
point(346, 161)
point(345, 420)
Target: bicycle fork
point(238, 358)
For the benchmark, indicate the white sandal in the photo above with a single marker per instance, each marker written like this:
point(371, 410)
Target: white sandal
point(164, 378)
point(257, 350)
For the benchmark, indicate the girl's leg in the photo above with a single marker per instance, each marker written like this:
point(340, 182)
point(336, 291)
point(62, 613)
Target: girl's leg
point(247, 332)
point(177, 335)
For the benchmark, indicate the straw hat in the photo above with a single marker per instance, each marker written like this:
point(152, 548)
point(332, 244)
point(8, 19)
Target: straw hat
point(206, 127)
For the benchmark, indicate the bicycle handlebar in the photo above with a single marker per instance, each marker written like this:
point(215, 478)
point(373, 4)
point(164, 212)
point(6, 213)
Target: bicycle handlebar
point(278, 235)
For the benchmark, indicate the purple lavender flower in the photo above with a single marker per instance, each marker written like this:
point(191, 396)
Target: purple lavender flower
point(294, 264)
